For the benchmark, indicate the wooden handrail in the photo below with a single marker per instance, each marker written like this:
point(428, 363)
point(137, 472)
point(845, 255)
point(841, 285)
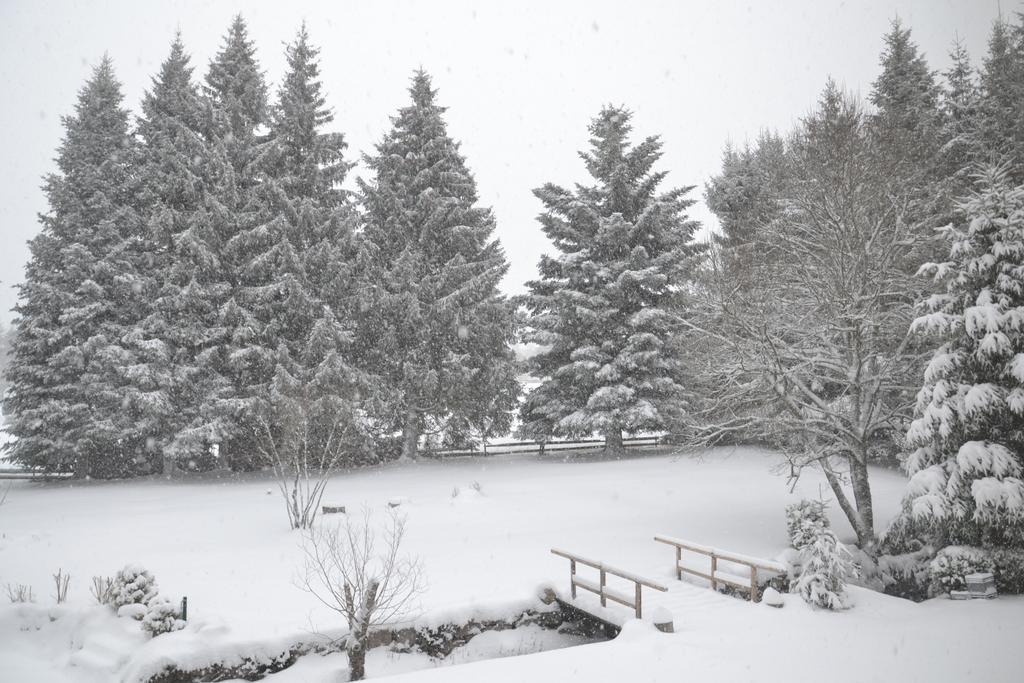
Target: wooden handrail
point(754, 563)
point(602, 589)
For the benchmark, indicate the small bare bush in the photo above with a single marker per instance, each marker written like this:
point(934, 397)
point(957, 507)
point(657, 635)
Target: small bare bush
point(20, 592)
point(345, 571)
point(102, 590)
point(61, 582)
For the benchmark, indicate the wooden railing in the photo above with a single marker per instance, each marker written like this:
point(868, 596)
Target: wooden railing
point(715, 576)
point(601, 589)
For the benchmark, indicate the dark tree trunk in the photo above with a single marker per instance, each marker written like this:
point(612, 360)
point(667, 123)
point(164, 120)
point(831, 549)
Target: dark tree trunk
point(860, 519)
point(357, 662)
point(613, 443)
point(410, 434)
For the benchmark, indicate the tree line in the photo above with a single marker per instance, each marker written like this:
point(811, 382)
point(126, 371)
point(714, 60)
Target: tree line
point(203, 288)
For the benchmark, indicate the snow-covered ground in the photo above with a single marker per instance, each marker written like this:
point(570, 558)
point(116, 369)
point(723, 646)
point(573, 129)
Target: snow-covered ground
point(226, 545)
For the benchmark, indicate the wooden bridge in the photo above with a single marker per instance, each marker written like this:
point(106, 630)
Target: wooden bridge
point(758, 571)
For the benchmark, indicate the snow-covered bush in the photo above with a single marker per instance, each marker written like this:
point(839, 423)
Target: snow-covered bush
point(1009, 570)
point(947, 571)
point(825, 568)
point(804, 520)
point(162, 616)
point(132, 585)
point(906, 575)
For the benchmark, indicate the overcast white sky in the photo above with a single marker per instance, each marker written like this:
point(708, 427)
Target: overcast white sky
point(521, 79)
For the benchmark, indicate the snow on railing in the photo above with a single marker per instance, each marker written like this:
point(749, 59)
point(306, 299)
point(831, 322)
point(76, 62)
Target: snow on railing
point(716, 576)
point(601, 589)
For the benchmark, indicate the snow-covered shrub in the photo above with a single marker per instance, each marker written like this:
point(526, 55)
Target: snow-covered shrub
point(826, 566)
point(1009, 569)
point(132, 585)
point(804, 521)
point(947, 571)
point(906, 575)
point(162, 616)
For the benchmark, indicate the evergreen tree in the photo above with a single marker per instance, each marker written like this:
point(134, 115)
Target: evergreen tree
point(745, 198)
point(968, 436)
point(433, 326)
point(237, 88)
point(606, 308)
point(180, 375)
point(960, 111)
point(907, 100)
point(64, 406)
point(908, 129)
point(297, 288)
point(1001, 108)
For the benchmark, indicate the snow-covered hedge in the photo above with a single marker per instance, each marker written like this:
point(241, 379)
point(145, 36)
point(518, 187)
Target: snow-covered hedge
point(947, 571)
point(952, 564)
point(1009, 569)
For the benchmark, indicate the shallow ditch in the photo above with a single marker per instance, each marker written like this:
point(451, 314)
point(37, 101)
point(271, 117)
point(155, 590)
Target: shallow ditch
point(548, 627)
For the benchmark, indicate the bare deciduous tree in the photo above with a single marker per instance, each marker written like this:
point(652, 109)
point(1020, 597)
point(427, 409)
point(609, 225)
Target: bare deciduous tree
point(369, 588)
point(816, 359)
point(307, 444)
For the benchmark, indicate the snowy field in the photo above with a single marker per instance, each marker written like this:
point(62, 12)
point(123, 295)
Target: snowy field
point(226, 545)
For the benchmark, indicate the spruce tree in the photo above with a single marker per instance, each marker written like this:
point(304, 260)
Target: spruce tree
point(180, 376)
point(968, 436)
point(909, 132)
point(745, 197)
point(960, 116)
point(606, 308)
point(64, 406)
point(1001, 108)
point(297, 288)
point(235, 84)
point(433, 326)
point(907, 100)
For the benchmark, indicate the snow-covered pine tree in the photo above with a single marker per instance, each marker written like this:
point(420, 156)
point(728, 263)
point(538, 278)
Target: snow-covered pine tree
point(960, 109)
point(906, 96)
point(605, 309)
point(1001, 108)
point(745, 198)
point(179, 377)
point(908, 128)
point(64, 406)
point(297, 288)
point(235, 84)
point(433, 326)
point(968, 436)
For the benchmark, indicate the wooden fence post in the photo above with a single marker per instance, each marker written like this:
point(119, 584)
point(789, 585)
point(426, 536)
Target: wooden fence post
point(714, 568)
point(754, 597)
point(572, 578)
point(604, 601)
point(679, 561)
point(638, 611)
